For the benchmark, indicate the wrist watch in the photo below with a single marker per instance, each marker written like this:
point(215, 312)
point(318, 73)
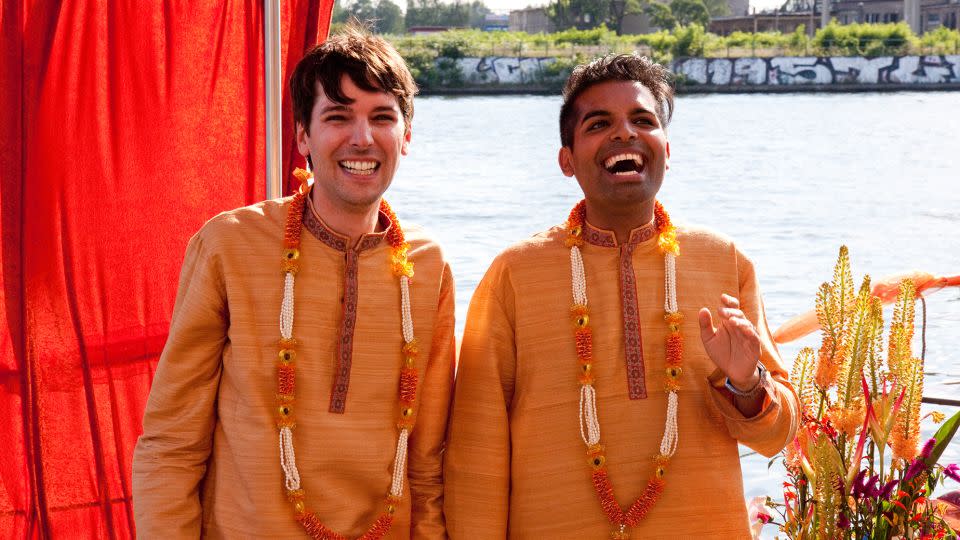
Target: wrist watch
point(753, 391)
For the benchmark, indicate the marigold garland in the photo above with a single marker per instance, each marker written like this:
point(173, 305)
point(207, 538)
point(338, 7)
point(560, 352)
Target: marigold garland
point(402, 268)
point(583, 338)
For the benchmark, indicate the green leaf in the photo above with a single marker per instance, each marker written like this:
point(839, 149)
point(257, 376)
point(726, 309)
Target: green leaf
point(943, 437)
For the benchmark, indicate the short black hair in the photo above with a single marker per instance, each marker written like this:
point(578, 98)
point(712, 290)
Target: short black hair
point(616, 67)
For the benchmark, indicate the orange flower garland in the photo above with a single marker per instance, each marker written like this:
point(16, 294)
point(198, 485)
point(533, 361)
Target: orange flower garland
point(583, 337)
point(286, 376)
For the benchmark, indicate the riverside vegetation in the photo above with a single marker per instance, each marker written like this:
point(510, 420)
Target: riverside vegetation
point(433, 57)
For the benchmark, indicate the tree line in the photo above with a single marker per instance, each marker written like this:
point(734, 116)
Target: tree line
point(386, 16)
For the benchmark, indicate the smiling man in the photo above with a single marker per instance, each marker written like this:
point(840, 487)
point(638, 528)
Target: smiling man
point(597, 396)
point(304, 387)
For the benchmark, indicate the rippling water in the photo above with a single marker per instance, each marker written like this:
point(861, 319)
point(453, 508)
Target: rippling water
point(790, 177)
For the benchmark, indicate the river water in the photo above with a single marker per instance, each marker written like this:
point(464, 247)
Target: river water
point(791, 177)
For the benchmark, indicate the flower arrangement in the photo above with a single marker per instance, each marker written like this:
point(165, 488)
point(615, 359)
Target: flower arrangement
point(856, 468)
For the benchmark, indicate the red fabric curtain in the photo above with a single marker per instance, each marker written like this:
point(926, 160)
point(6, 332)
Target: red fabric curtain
point(123, 127)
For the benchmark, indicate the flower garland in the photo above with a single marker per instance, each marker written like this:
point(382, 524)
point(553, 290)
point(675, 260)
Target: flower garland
point(583, 337)
point(403, 269)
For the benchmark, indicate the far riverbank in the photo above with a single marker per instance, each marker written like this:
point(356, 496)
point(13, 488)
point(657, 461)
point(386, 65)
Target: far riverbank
point(503, 75)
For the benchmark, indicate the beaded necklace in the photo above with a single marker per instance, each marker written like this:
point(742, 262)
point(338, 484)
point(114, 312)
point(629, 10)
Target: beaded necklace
point(403, 269)
point(583, 336)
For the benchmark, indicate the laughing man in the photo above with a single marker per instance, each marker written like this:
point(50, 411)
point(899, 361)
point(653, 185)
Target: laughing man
point(596, 396)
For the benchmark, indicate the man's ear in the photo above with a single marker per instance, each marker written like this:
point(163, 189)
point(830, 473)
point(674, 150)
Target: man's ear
point(565, 159)
point(405, 147)
point(302, 137)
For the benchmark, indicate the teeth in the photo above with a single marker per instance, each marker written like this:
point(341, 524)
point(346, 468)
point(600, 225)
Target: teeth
point(360, 167)
point(611, 161)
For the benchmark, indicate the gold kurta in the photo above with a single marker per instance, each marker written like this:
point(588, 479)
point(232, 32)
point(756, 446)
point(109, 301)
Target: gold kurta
point(516, 465)
point(208, 460)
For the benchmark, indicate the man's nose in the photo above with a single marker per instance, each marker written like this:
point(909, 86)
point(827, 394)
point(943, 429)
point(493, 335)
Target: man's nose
point(362, 134)
point(625, 131)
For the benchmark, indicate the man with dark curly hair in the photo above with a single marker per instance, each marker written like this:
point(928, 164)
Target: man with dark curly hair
point(304, 387)
point(596, 396)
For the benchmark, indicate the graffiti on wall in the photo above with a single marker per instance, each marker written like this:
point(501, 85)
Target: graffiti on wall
point(503, 69)
point(820, 70)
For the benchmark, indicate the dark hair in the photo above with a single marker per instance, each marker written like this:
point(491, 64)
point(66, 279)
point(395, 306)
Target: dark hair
point(370, 62)
point(619, 67)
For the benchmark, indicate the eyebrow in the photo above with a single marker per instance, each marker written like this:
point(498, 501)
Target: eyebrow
point(334, 108)
point(600, 112)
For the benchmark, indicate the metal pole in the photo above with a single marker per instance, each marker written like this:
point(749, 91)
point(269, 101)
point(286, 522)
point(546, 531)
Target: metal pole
point(272, 89)
point(941, 401)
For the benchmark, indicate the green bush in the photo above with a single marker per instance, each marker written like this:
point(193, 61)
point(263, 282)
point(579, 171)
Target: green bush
point(690, 41)
point(941, 40)
point(892, 39)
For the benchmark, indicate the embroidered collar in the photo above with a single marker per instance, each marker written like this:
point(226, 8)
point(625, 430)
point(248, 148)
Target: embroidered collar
point(604, 238)
point(321, 231)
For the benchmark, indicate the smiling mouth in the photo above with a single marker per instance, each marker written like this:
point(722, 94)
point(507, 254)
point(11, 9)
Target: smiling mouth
point(360, 168)
point(624, 164)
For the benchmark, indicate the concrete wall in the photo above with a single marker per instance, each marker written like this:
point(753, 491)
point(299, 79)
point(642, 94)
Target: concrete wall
point(503, 70)
point(730, 73)
point(785, 71)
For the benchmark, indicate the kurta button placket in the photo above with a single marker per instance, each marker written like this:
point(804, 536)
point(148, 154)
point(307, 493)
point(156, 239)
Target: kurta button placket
point(630, 315)
point(348, 302)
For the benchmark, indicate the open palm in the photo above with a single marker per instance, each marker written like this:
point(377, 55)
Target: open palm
point(733, 344)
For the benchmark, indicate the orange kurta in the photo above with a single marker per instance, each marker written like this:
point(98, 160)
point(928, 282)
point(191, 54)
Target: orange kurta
point(208, 460)
point(516, 465)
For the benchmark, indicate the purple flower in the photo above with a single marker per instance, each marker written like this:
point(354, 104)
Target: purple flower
point(953, 471)
point(887, 489)
point(864, 487)
point(927, 448)
point(871, 486)
point(858, 489)
point(915, 468)
point(843, 521)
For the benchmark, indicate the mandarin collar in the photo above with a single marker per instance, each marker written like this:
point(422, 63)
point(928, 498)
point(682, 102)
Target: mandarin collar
point(604, 238)
point(321, 231)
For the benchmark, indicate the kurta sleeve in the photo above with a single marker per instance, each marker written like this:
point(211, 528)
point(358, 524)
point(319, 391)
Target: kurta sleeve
point(776, 423)
point(425, 470)
point(171, 455)
point(477, 463)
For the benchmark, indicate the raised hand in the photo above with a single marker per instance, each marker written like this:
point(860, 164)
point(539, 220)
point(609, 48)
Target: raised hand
point(733, 344)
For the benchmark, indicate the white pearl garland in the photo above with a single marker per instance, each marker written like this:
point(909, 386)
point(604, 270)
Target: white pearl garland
point(288, 460)
point(589, 420)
